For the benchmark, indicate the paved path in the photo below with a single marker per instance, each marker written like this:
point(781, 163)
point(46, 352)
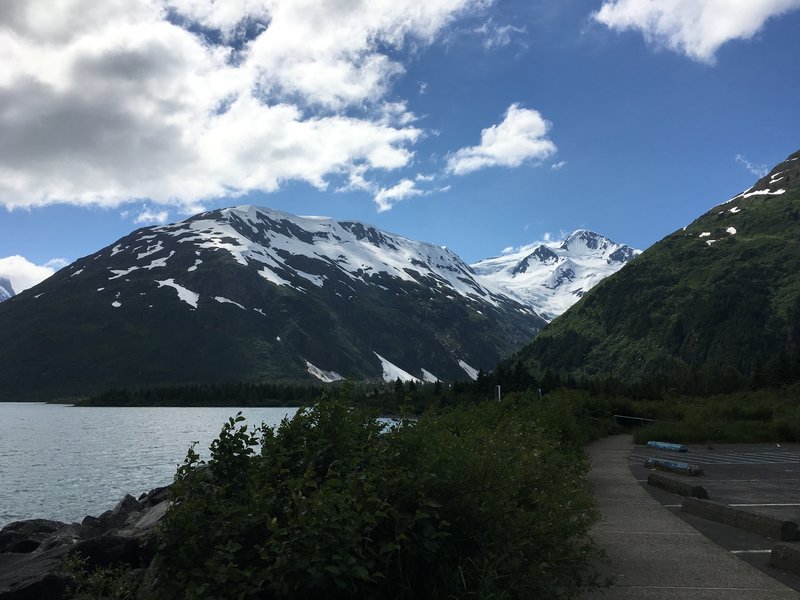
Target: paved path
point(653, 555)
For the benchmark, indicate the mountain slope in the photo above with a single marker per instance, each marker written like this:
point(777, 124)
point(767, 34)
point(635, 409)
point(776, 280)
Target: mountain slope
point(551, 276)
point(6, 290)
point(252, 294)
point(718, 299)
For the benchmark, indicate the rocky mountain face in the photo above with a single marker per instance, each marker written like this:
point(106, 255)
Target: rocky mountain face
point(252, 294)
point(6, 290)
point(717, 301)
point(552, 276)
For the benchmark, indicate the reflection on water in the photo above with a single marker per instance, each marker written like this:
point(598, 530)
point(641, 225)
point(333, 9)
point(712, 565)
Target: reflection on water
point(64, 462)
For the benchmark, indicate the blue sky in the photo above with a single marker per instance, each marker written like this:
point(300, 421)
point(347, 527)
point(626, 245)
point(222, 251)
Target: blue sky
point(473, 124)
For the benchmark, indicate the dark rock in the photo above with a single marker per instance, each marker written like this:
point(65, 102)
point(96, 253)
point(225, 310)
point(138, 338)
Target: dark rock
point(27, 536)
point(155, 496)
point(32, 552)
point(112, 519)
point(33, 576)
point(111, 549)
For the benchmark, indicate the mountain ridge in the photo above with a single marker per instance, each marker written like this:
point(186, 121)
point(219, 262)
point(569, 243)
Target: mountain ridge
point(711, 306)
point(551, 276)
point(252, 294)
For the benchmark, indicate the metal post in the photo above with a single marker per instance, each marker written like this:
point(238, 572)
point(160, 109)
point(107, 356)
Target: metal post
point(497, 389)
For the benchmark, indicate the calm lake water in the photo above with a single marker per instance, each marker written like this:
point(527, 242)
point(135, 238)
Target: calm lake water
point(63, 462)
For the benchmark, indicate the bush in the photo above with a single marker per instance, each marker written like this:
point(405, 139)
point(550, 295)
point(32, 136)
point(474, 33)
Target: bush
point(482, 502)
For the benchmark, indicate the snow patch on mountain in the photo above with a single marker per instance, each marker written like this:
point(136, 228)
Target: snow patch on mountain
point(223, 300)
point(392, 372)
point(184, 294)
point(551, 276)
point(322, 375)
point(428, 377)
point(472, 372)
point(6, 289)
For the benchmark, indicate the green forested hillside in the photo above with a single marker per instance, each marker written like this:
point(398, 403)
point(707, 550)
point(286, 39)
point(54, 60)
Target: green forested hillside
point(710, 307)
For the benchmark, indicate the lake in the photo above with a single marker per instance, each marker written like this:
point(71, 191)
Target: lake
point(64, 462)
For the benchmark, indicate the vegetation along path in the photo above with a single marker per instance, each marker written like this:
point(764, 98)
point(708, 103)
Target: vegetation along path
point(652, 553)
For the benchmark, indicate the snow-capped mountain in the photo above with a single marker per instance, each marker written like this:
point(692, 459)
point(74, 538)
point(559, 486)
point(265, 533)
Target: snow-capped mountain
point(250, 293)
point(6, 290)
point(551, 276)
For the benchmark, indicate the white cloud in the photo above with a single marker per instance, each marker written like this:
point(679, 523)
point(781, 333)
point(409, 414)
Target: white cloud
point(110, 102)
point(696, 28)
point(507, 250)
point(147, 216)
point(386, 198)
point(559, 165)
point(24, 274)
point(497, 36)
point(757, 170)
point(521, 137)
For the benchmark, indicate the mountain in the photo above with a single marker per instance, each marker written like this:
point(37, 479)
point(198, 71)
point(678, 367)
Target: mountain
point(6, 290)
point(551, 276)
point(712, 304)
point(252, 294)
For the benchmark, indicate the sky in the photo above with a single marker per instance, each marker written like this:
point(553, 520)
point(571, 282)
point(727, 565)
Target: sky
point(482, 125)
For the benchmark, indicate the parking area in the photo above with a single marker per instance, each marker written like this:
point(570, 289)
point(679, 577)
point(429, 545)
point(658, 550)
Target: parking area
point(761, 478)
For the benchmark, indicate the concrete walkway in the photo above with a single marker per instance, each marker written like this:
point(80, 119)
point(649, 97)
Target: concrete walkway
point(652, 554)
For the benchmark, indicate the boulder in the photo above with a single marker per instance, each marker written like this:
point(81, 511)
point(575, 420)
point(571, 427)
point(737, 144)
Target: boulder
point(32, 552)
point(26, 536)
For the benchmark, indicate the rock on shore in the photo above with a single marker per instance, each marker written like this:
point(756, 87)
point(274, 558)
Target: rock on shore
point(32, 552)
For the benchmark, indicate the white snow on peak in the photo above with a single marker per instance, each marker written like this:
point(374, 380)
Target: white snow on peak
point(274, 241)
point(735, 210)
point(471, 371)
point(197, 263)
point(550, 276)
point(731, 230)
point(428, 377)
point(116, 304)
point(322, 375)
point(392, 372)
point(157, 247)
point(705, 234)
point(154, 264)
point(222, 300)
point(184, 295)
point(709, 242)
point(116, 250)
point(765, 193)
point(78, 272)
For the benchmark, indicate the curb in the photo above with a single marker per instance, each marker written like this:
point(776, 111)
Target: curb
point(670, 465)
point(786, 557)
point(682, 488)
point(762, 525)
point(667, 446)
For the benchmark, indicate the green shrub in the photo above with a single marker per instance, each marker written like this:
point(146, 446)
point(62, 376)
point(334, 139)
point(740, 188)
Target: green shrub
point(484, 502)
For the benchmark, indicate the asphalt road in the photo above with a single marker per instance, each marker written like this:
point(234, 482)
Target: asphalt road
point(763, 478)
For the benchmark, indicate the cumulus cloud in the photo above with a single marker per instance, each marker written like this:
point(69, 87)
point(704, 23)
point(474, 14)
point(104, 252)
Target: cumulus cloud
point(147, 216)
point(122, 100)
point(521, 137)
point(386, 198)
point(696, 28)
point(757, 170)
point(24, 274)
